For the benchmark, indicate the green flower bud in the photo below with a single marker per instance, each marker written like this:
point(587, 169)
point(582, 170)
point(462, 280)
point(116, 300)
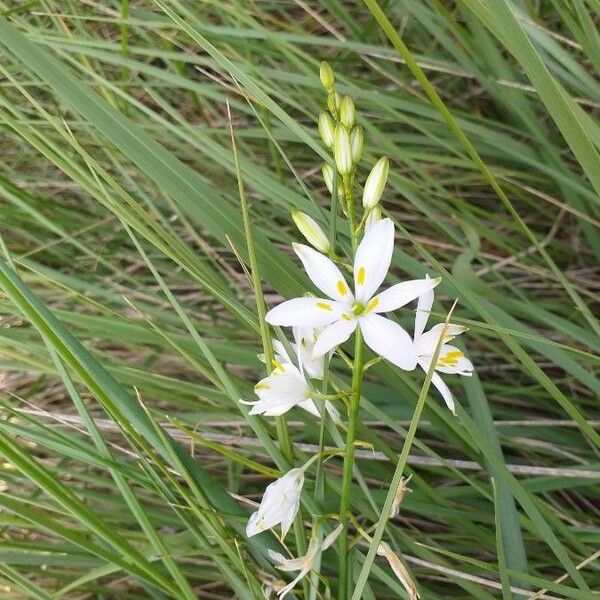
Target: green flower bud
point(375, 183)
point(342, 150)
point(310, 229)
point(333, 103)
point(328, 178)
point(326, 129)
point(357, 141)
point(347, 112)
point(326, 75)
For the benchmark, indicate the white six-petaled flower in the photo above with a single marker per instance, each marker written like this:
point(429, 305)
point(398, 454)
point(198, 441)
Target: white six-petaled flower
point(303, 563)
point(280, 391)
point(279, 504)
point(450, 359)
point(343, 311)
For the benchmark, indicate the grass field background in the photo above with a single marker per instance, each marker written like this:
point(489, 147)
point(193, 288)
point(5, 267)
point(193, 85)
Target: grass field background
point(129, 327)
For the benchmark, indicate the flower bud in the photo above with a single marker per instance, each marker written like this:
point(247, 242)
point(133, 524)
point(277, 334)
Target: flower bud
point(357, 141)
point(328, 178)
point(375, 183)
point(310, 229)
point(326, 129)
point(333, 103)
point(326, 75)
point(372, 218)
point(347, 112)
point(342, 150)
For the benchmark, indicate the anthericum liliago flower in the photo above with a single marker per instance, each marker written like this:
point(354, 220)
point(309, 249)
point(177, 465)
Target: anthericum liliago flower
point(342, 312)
point(303, 563)
point(279, 504)
point(280, 391)
point(450, 360)
point(287, 385)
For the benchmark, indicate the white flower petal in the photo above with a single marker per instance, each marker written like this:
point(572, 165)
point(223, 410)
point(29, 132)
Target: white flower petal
point(279, 504)
point(306, 338)
point(444, 390)
point(305, 312)
point(281, 354)
point(334, 335)
point(328, 541)
point(427, 342)
point(400, 294)
point(310, 406)
point(324, 273)
point(373, 259)
point(254, 526)
point(423, 309)
point(389, 340)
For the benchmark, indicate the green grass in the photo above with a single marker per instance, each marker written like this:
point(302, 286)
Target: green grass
point(132, 269)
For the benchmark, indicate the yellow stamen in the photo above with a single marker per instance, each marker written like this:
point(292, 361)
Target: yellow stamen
point(372, 305)
point(278, 365)
point(342, 289)
point(450, 359)
point(346, 317)
point(261, 386)
point(360, 278)
point(324, 305)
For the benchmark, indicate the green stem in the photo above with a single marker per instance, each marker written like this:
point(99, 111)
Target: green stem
point(357, 377)
point(349, 197)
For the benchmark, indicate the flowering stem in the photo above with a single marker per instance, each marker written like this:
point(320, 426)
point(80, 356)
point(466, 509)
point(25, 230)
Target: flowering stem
point(357, 377)
point(349, 197)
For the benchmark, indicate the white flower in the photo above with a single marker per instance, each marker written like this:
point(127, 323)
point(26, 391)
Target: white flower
point(305, 339)
point(450, 359)
point(283, 389)
point(342, 312)
point(303, 563)
point(279, 504)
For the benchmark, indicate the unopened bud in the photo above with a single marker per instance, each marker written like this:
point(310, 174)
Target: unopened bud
point(357, 141)
point(326, 129)
point(342, 150)
point(347, 112)
point(310, 229)
point(328, 178)
point(333, 103)
point(372, 218)
point(326, 75)
point(375, 183)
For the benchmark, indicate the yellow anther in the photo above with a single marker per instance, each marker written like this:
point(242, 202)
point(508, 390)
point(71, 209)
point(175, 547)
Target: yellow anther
point(261, 386)
point(360, 278)
point(278, 365)
point(372, 305)
point(342, 289)
point(450, 359)
point(324, 306)
point(346, 317)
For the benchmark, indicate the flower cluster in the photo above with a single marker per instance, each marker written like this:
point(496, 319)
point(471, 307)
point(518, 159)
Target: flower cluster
point(321, 323)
